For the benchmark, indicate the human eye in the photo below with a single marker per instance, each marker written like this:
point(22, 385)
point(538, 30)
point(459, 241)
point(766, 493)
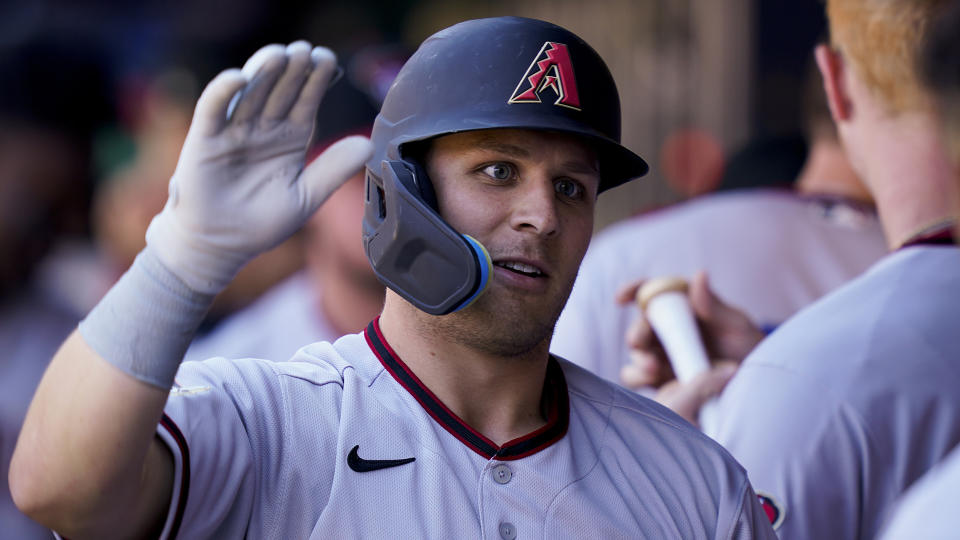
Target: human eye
point(499, 171)
point(568, 188)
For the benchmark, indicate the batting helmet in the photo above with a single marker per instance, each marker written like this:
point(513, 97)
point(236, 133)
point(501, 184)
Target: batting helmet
point(504, 72)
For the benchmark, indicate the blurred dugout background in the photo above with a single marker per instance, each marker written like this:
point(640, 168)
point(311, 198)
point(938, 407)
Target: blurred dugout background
point(700, 80)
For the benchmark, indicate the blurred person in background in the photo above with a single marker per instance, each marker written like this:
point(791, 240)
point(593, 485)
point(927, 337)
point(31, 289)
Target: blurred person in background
point(928, 509)
point(770, 251)
point(337, 293)
point(853, 399)
point(53, 98)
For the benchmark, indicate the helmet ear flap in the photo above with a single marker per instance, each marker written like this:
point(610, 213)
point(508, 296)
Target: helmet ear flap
point(422, 184)
point(412, 249)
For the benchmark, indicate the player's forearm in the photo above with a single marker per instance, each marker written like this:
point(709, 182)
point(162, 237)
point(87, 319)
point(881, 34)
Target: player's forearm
point(81, 459)
point(82, 453)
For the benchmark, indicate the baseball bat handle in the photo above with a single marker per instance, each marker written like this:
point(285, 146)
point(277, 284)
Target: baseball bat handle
point(665, 304)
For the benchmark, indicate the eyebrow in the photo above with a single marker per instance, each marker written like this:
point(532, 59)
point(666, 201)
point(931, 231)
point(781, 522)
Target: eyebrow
point(504, 148)
point(491, 144)
point(582, 168)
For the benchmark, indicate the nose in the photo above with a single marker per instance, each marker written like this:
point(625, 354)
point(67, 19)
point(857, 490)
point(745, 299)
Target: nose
point(535, 208)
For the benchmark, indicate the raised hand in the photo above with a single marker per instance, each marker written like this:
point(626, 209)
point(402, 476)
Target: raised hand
point(240, 186)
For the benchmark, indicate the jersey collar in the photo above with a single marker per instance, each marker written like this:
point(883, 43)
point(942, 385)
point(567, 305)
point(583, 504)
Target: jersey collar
point(938, 234)
point(555, 392)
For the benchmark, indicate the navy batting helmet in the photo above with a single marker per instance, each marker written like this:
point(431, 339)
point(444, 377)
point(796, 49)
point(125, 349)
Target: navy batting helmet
point(504, 72)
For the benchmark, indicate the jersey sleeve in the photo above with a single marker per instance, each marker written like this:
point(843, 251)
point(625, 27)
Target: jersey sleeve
point(209, 424)
point(752, 521)
point(806, 465)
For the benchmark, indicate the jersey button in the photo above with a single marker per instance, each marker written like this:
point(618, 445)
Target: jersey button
point(501, 474)
point(508, 531)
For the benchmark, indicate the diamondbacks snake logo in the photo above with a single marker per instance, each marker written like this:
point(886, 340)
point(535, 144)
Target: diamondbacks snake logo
point(550, 74)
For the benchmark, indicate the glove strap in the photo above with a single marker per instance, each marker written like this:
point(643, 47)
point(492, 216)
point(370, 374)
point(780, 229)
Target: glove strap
point(145, 322)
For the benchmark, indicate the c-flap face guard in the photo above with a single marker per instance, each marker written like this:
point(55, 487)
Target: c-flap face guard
point(413, 250)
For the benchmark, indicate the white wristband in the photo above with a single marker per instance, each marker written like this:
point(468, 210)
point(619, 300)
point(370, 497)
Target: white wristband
point(145, 323)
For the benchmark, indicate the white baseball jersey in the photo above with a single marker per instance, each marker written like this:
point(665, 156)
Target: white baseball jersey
point(31, 330)
point(769, 252)
point(274, 326)
point(853, 399)
point(928, 510)
point(344, 440)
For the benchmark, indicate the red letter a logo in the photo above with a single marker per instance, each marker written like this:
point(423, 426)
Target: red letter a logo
point(552, 70)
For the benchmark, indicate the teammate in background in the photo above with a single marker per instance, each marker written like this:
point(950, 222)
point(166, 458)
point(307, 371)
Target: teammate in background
point(854, 398)
point(449, 400)
point(768, 251)
point(928, 509)
point(337, 293)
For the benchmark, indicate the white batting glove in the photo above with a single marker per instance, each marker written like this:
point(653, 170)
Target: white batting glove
point(240, 188)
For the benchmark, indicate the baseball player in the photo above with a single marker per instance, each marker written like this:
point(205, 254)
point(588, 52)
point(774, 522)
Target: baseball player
point(928, 508)
point(768, 251)
point(447, 417)
point(850, 401)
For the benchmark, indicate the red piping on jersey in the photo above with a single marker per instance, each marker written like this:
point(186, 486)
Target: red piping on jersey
point(558, 417)
point(937, 237)
point(177, 435)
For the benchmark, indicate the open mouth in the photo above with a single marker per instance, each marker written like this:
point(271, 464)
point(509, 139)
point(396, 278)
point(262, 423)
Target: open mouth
point(521, 268)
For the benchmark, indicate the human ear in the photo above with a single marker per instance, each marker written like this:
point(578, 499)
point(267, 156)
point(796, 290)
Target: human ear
point(832, 66)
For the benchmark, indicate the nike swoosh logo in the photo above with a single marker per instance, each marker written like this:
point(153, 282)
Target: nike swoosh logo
point(359, 464)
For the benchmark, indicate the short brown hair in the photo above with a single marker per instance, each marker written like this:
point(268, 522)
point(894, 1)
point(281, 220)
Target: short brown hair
point(882, 40)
